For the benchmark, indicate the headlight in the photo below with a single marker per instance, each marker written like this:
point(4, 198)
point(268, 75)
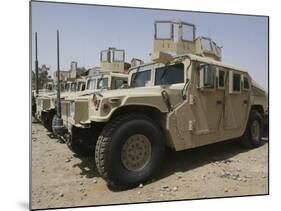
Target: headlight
point(72, 109)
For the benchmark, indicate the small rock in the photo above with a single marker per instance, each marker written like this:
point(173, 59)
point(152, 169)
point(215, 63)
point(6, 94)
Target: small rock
point(81, 183)
point(235, 176)
point(238, 169)
point(227, 161)
point(95, 181)
point(225, 190)
point(264, 176)
point(67, 160)
point(165, 186)
point(141, 186)
point(61, 195)
point(225, 174)
point(85, 194)
point(149, 199)
point(175, 189)
point(245, 180)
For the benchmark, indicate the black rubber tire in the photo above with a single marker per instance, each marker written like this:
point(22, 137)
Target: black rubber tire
point(53, 120)
point(247, 140)
point(109, 145)
point(47, 119)
point(81, 142)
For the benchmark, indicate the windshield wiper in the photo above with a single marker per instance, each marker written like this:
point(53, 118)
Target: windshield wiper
point(164, 73)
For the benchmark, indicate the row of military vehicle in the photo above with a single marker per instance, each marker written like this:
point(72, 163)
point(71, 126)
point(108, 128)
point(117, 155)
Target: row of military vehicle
point(184, 98)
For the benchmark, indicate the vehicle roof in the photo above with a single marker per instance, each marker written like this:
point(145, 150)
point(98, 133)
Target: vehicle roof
point(200, 59)
point(80, 80)
point(214, 62)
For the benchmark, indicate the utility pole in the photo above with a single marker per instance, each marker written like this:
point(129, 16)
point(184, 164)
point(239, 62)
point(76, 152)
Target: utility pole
point(36, 66)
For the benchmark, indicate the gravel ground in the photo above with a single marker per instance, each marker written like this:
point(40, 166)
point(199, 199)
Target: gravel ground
point(61, 179)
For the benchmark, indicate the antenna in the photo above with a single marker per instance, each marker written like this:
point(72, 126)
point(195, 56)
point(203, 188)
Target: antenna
point(58, 77)
point(209, 33)
point(36, 66)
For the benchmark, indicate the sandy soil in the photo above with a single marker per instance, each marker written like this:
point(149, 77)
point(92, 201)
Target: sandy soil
point(60, 179)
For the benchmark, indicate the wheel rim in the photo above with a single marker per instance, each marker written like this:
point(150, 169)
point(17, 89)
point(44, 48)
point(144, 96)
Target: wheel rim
point(255, 130)
point(136, 152)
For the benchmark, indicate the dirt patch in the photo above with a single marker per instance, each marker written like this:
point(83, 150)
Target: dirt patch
point(60, 179)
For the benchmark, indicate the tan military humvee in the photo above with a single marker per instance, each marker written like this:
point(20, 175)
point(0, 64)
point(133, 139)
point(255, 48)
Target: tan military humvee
point(46, 104)
point(185, 98)
point(75, 108)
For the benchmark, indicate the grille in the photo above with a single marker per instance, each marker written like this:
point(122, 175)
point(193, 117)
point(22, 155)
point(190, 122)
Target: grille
point(81, 111)
point(46, 103)
point(65, 108)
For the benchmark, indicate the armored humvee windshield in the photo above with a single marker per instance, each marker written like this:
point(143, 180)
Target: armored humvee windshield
point(80, 86)
point(73, 87)
point(158, 74)
point(102, 83)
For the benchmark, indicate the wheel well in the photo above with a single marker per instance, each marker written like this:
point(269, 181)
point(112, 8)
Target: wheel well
point(258, 108)
point(149, 111)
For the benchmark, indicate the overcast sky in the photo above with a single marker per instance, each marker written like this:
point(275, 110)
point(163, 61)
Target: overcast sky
point(85, 30)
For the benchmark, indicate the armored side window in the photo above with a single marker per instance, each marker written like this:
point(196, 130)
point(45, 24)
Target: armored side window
point(83, 87)
point(119, 56)
point(236, 82)
point(246, 84)
point(104, 57)
point(188, 33)
point(91, 84)
point(207, 76)
point(118, 83)
point(206, 45)
point(163, 30)
point(172, 74)
point(221, 79)
point(140, 79)
point(73, 87)
point(102, 83)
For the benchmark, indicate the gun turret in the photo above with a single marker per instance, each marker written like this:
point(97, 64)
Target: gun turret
point(112, 60)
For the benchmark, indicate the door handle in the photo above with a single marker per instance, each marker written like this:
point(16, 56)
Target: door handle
point(219, 102)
